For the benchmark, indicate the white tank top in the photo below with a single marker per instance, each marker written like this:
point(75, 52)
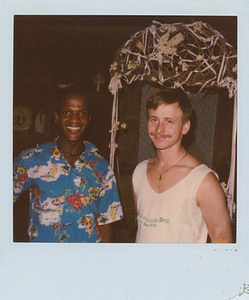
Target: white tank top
point(172, 216)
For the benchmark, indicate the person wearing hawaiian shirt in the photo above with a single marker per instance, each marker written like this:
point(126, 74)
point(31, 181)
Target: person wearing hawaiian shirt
point(73, 189)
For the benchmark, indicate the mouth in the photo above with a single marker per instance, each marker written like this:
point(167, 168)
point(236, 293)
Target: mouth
point(73, 128)
point(159, 138)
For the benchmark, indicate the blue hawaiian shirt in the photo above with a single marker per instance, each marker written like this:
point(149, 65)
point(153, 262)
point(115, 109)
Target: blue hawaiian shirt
point(67, 204)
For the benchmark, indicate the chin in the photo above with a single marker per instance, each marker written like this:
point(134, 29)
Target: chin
point(161, 147)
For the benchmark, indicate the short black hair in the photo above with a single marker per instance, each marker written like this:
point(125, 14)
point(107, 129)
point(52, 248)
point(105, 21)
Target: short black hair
point(171, 97)
point(69, 91)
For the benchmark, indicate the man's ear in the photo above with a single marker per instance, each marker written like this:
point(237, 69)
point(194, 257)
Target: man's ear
point(90, 117)
point(186, 127)
point(56, 117)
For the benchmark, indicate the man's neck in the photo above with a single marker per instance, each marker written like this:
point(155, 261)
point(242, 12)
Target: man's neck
point(168, 157)
point(70, 148)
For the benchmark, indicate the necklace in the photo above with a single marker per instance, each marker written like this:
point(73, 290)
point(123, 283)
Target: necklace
point(160, 174)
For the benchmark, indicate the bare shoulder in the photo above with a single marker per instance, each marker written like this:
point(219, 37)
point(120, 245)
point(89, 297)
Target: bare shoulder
point(210, 188)
point(192, 162)
point(210, 181)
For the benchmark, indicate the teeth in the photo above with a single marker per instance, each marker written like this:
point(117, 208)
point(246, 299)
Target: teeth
point(73, 128)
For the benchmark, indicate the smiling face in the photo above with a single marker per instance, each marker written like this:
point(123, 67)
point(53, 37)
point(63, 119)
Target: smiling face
point(73, 117)
point(166, 126)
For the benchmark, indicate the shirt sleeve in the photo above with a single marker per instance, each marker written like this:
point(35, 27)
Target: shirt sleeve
point(21, 180)
point(110, 208)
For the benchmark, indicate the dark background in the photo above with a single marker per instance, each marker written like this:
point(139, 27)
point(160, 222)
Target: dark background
point(75, 48)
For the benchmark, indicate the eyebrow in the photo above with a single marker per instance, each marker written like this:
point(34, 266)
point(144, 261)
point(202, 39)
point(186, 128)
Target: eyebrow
point(165, 118)
point(70, 108)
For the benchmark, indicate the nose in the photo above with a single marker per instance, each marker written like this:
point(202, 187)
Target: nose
point(160, 127)
point(74, 118)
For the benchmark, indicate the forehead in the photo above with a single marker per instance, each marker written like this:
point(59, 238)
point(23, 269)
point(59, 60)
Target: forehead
point(166, 110)
point(74, 101)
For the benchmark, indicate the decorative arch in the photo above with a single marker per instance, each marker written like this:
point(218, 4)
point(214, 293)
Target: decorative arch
point(174, 56)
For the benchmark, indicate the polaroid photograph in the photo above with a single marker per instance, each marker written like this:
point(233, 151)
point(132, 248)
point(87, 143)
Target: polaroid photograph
point(125, 149)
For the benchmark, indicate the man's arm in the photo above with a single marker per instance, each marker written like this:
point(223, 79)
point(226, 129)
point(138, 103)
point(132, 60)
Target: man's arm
point(211, 200)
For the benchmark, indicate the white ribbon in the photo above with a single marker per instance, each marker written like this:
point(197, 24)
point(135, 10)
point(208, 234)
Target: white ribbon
point(231, 178)
point(114, 86)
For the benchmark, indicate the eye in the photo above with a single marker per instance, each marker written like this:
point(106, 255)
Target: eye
point(83, 114)
point(169, 121)
point(66, 113)
point(153, 120)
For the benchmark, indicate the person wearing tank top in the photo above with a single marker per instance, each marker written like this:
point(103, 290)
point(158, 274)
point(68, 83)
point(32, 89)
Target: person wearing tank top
point(178, 199)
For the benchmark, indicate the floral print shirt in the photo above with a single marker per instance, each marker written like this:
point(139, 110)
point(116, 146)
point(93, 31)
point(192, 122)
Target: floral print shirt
point(67, 204)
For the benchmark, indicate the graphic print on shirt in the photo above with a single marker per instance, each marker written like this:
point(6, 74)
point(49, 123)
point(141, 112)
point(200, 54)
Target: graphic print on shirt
point(151, 222)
